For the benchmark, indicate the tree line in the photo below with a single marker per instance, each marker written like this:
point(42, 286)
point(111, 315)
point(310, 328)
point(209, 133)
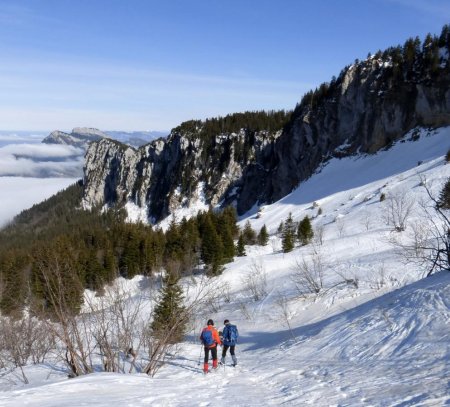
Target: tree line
point(95, 247)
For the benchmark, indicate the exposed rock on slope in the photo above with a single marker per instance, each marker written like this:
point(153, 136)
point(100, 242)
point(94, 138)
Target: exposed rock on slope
point(79, 137)
point(369, 105)
point(170, 173)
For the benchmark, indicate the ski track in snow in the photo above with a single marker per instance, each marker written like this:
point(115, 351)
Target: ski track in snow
point(383, 344)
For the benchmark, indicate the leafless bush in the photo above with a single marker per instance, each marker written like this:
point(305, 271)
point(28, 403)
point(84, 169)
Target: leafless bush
point(284, 312)
point(255, 281)
point(319, 233)
point(57, 277)
point(367, 220)
point(118, 324)
point(340, 224)
point(347, 279)
point(226, 293)
point(308, 273)
point(213, 302)
point(23, 341)
point(244, 310)
point(380, 279)
point(399, 206)
point(428, 244)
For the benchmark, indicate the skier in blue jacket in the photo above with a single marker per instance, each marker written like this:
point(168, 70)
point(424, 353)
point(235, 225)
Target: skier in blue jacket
point(230, 335)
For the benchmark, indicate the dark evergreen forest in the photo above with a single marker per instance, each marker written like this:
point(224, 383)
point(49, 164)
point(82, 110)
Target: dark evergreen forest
point(90, 248)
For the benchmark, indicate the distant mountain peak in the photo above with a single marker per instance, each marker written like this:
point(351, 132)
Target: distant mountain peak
point(79, 137)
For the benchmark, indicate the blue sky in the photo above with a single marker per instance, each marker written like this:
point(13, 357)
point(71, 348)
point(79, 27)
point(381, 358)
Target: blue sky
point(149, 65)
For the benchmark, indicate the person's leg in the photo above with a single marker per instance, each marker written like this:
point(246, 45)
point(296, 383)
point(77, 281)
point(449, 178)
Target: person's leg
point(224, 353)
point(214, 356)
point(205, 364)
point(233, 356)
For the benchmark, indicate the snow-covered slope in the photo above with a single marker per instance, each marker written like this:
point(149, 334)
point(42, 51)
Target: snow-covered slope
point(389, 351)
point(381, 339)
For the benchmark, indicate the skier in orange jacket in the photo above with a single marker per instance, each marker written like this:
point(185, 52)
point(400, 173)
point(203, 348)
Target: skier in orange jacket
point(210, 339)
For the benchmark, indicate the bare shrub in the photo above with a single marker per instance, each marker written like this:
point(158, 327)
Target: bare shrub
point(347, 279)
point(340, 224)
point(117, 324)
point(226, 292)
point(308, 273)
point(378, 279)
point(429, 243)
point(319, 234)
point(399, 206)
point(367, 220)
point(255, 281)
point(244, 310)
point(61, 321)
point(213, 302)
point(23, 341)
point(284, 312)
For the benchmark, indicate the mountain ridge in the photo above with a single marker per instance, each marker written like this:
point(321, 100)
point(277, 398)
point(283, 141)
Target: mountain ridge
point(368, 106)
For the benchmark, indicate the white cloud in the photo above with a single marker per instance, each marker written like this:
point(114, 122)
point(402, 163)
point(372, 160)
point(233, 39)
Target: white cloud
point(17, 193)
point(15, 138)
point(41, 160)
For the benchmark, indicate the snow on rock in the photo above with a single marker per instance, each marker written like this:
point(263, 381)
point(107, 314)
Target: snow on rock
point(135, 213)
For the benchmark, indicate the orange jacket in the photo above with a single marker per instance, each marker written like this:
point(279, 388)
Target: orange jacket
point(215, 335)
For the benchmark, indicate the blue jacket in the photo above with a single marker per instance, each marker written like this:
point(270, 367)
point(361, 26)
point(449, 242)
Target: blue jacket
point(229, 328)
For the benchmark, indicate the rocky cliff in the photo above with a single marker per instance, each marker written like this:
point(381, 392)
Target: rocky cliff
point(368, 106)
point(179, 171)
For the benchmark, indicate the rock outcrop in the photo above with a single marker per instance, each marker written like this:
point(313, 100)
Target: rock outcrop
point(370, 105)
point(79, 137)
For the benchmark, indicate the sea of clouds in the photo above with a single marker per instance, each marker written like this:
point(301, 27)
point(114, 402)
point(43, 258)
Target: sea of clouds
point(38, 160)
point(31, 171)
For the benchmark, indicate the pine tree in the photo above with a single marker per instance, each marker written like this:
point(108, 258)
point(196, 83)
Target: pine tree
point(227, 243)
point(169, 317)
point(444, 198)
point(174, 245)
point(280, 229)
point(57, 277)
point(288, 238)
point(191, 243)
point(444, 38)
point(13, 286)
point(211, 247)
point(129, 261)
point(109, 263)
point(93, 275)
point(305, 232)
point(240, 248)
point(249, 234)
point(229, 217)
point(263, 236)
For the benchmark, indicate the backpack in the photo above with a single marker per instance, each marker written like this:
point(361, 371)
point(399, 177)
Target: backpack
point(232, 334)
point(207, 337)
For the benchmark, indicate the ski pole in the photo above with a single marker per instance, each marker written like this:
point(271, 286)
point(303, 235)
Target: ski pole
point(200, 356)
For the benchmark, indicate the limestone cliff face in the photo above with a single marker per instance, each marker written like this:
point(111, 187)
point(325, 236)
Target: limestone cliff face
point(167, 174)
point(370, 105)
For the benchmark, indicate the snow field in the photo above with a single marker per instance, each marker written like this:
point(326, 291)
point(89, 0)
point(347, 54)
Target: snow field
point(383, 342)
